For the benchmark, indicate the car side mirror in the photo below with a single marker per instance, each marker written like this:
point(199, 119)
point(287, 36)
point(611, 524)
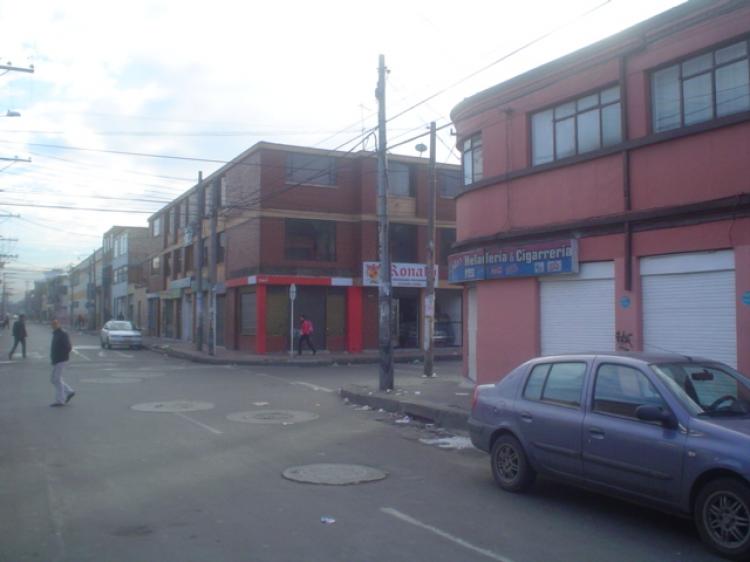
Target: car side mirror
point(651, 413)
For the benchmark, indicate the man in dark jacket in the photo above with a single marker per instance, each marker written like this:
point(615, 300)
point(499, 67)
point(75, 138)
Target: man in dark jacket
point(60, 353)
point(19, 336)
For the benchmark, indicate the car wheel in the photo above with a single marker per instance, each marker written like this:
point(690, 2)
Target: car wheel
point(510, 467)
point(722, 516)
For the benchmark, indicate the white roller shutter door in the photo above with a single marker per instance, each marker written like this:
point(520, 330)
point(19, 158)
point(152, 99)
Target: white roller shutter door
point(689, 305)
point(578, 311)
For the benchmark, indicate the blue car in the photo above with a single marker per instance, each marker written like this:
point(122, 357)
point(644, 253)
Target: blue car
point(669, 431)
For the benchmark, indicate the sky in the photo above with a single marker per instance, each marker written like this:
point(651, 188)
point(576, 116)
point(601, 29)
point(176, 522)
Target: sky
point(120, 89)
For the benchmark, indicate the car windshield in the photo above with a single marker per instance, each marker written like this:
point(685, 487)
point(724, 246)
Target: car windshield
point(708, 389)
point(120, 326)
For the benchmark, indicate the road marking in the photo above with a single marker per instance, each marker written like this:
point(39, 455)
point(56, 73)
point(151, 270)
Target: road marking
point(403, 517)
point(79, 354)
point(87, 346)
point(196, 422)
point(102, 354)
point(121, 354)
point(313, 386)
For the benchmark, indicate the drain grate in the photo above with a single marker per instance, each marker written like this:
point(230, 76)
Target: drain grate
point(173, 406)
point(284, 417)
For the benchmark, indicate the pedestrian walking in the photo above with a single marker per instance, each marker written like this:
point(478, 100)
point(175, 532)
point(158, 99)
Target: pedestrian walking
point(305, 330)
point(60, 353)
point(19, 336)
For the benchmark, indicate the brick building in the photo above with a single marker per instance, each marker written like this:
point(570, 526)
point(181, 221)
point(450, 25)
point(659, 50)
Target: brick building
point(292, 215)
point(606, 203)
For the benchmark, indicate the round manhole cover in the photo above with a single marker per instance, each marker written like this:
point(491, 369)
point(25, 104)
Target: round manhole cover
point(334, 474)
point(173, 406)
point(113, 380)
point(285, 417)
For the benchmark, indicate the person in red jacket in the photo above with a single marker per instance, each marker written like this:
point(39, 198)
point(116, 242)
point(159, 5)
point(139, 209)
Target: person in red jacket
point(305, 331)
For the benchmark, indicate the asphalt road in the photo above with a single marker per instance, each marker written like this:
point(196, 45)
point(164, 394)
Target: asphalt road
point(99, 481)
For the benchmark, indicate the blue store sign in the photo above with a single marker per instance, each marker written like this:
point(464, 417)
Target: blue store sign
point(746, 298)
point(527, 260)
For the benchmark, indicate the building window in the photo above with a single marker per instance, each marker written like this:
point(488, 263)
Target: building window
point(310, 169)
point(121, 275)
point(155, 265)
point(188, 258)
point(313, 240)
point(701, 88)
point(403, 242)
point(472, 159)
point(446, 241)
point(177, 260)
point(185, 206)
point(449, 183)
point(156, 226)
point(248, 313)
point(167, 265)
point(221, 246)
point(400, 182)
point(575, 127)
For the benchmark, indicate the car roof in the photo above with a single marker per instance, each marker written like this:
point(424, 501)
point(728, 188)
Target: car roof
point(634, 356)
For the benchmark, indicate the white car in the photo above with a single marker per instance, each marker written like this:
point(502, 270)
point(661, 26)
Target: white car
point(120, 333)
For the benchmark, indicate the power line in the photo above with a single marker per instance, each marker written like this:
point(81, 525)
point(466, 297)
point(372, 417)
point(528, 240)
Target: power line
point(71, 208)
point(84, 196)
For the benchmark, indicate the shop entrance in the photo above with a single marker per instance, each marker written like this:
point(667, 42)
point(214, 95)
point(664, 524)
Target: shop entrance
point(405, 315)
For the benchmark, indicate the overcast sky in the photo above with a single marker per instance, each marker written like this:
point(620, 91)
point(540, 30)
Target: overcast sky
point(209, 80)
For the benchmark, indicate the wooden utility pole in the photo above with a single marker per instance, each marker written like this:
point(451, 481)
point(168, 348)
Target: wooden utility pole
point(198, 240)
point(384, 279)
point(429, 297)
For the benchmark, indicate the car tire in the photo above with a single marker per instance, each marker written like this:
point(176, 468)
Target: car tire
point(510, 467)
point(722, 517)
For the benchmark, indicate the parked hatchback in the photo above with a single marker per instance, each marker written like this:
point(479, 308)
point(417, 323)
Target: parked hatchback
point(669, 431)
point(120, 333)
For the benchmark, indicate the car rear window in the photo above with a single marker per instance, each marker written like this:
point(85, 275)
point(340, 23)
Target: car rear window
point(558, 383)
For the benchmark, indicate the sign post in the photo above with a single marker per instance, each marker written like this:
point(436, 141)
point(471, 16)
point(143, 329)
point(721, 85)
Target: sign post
point(292, 296)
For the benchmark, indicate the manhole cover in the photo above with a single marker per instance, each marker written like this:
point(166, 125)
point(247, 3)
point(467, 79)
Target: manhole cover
point(113, 380)
point(273, 416)
point(334, 474)
point(138, 375)
point(173, 406)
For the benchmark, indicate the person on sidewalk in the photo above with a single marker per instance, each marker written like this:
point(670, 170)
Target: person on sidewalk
point(60, 353)
point(305, 330)
point(19, 336)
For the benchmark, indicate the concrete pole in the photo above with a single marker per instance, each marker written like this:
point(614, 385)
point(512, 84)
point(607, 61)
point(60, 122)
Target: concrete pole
point(212, 243)
point(198, 235)
point(384, 281)
point(429, 299)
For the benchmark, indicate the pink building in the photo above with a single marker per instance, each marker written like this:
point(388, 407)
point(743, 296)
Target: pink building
point(607, 198)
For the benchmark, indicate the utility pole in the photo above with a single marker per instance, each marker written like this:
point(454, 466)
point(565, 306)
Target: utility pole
point(384, 280)
point(429, 297)
point(198, 234)
point(213, 246)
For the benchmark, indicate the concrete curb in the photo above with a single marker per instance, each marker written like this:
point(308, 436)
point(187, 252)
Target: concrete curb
point(317, 361)
point(444, 416)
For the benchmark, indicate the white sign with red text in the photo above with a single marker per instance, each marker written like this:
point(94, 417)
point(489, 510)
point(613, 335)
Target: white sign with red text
point(402, 274)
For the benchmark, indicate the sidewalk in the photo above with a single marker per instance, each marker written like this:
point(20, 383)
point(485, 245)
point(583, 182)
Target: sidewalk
point(186, 350)
point(444, 400)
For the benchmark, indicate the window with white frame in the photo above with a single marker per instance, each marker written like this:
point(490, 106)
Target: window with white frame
point(472, 159)
point(156, 226)
point(701, 88)
point(575, 127)
point(312, 169)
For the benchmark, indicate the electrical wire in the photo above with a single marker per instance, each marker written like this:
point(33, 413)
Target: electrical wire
point(71, 208)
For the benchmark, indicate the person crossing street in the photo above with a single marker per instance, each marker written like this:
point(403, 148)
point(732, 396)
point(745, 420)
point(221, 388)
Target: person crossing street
point(59, 354)
point(19, 336)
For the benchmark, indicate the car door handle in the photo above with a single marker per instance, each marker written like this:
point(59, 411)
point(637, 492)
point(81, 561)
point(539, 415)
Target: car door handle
point(596, 432)
point(527, 417)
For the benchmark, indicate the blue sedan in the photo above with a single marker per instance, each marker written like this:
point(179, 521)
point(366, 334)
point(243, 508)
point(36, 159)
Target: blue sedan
point(669, 431)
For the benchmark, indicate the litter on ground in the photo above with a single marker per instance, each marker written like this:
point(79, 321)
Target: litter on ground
point(454, 442)
point(405, 419)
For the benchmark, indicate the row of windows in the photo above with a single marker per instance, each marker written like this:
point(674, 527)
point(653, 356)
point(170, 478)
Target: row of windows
point(709, 86)
point(618, 389)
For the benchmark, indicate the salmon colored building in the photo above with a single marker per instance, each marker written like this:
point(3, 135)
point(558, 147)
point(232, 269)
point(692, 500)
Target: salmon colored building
point(607, 198)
